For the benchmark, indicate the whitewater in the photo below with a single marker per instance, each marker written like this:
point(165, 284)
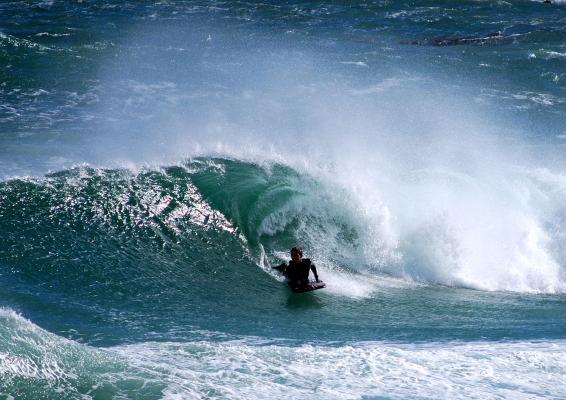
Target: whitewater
point(157, 159)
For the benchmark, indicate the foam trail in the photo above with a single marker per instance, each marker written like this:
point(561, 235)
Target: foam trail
point(463, 371)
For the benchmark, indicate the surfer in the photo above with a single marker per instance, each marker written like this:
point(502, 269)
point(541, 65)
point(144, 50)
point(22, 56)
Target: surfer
point(298, 270)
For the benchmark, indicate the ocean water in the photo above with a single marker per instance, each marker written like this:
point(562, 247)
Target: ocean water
point(158, 157)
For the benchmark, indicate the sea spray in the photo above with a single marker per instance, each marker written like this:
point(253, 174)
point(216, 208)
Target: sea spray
point(423, 177)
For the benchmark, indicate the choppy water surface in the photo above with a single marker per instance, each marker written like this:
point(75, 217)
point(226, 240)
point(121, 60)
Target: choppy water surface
point(157, 158)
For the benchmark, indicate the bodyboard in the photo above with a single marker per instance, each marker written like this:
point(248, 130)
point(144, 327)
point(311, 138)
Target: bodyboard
point(310, 287)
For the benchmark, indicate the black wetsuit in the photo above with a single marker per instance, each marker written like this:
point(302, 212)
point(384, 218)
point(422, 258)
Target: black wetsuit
point(298, 273)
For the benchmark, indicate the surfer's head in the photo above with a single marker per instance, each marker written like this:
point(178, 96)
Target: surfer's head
point(296, 254)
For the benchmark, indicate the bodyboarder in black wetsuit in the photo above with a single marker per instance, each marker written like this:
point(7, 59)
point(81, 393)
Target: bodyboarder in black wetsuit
point(298, 270)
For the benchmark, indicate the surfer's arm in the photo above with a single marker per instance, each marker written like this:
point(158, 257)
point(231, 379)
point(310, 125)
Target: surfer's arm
point(281, 268)
point(313, 268)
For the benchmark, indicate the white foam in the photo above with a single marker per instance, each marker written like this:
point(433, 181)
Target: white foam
point(239, 369)
point(356, 63)
point(358, 285)
point(255, 368)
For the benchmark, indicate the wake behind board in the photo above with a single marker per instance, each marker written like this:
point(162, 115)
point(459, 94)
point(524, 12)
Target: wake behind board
point(310, 287)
